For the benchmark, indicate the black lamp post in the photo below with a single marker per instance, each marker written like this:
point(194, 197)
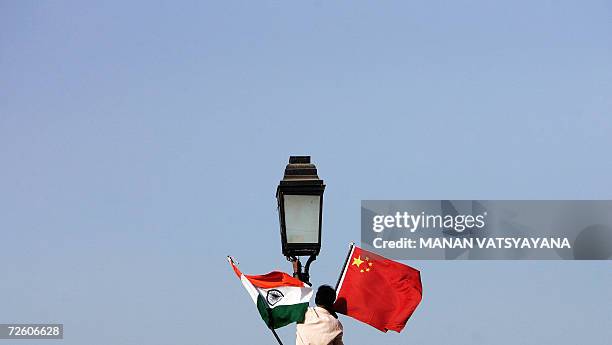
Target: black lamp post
point(300, 208)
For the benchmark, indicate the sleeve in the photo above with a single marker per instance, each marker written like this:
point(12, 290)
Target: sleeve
point(337, 340)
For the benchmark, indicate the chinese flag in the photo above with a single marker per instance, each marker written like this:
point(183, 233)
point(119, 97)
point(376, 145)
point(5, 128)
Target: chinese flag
point(378, 291)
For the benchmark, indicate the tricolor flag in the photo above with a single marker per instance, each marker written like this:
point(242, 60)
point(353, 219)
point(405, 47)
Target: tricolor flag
point(280, 298)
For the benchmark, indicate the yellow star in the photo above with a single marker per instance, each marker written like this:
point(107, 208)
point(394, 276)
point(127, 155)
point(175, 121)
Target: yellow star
point(367, 270)
point(357, 261)
point(370, 264)
point(361, 271)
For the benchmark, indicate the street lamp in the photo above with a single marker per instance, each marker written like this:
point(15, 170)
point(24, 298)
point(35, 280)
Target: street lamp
point(300, 208)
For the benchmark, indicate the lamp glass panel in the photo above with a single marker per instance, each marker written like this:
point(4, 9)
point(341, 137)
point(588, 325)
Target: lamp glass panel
point(302, 218)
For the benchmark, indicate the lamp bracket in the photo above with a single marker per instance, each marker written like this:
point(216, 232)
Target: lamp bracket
point(302, 273)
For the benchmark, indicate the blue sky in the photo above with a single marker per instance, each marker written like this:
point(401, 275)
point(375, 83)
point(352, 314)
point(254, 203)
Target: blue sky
point(142, 142)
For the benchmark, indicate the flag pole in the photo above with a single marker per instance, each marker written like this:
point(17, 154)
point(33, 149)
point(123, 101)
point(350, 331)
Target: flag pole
point(271, 326)
point(348, 256)
point(276, 336)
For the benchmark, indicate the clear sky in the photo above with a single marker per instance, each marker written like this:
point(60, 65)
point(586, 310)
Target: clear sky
point(142, 142)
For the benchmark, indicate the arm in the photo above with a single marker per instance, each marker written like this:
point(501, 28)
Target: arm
point(297, 267)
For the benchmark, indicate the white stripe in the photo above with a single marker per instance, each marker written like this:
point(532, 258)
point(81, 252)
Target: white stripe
point(252, 290)
point(345, 269)
point(291, 295)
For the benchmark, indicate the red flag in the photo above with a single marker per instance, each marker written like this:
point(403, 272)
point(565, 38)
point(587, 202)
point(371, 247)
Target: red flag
point(378, 291)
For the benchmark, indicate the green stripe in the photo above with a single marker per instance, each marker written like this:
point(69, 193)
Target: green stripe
point(281, 315)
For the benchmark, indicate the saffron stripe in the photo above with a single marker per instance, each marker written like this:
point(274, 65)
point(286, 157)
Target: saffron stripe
point(274, 279)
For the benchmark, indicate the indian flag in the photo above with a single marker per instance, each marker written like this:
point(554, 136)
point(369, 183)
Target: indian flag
point(280, 298)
